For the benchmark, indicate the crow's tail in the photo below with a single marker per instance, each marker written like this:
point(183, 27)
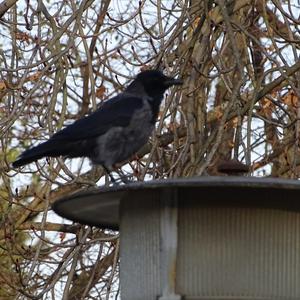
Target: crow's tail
point(52, 148)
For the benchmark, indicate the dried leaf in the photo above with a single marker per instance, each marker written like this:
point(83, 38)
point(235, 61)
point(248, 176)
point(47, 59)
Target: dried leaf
point(100, 92)
point(34, 77)
point(267, 108)
point(145, 68)
point(62, 236)
point(2, 86)
point(290, 99)
point(22, 36)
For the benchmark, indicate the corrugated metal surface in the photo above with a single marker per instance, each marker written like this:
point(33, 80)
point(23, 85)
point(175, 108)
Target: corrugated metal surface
point(223, 252)
point(227, 248)
point(238, 237)
point(139, 249)
point(238, 253)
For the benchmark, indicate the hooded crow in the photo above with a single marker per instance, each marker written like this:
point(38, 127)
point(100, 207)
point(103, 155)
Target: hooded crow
point(115, 131)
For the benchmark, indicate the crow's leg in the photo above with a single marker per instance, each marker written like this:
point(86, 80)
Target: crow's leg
point(108, 172)
point(123, 177)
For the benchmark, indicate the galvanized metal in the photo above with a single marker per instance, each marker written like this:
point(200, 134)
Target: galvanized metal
point(200, 238)
point(100, 206)
point(169, 244)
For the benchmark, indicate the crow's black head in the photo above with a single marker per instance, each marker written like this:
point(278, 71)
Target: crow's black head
point(155, 83)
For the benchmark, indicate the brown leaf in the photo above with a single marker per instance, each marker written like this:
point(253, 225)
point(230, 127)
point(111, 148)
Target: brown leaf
point(62, 236)
point(34, 77)
point(267, 108)
point(144, 68)
point(100, 92)
point(22, 36)
point(290, 99)
point(115, 55)
point(173, 126)
point(2, 86)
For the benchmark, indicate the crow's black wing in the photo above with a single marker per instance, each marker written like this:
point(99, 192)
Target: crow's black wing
point(117, 111)
point(69, 141)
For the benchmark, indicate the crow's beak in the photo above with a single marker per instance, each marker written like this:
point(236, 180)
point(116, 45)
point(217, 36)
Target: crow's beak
point(172, 81)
